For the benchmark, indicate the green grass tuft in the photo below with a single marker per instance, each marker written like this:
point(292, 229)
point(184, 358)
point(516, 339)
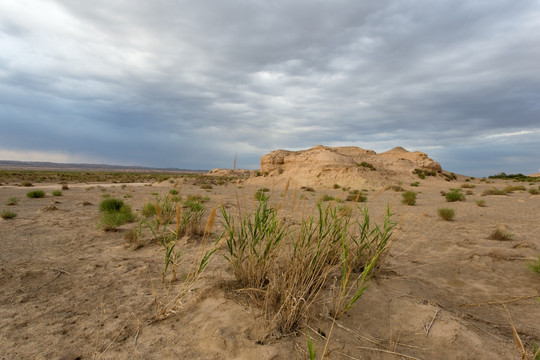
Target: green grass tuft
point(408, 198)
point(6, 214)
point(446, 214)
point(35, 194)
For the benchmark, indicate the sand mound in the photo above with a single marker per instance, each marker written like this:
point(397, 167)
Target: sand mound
point(347, 166)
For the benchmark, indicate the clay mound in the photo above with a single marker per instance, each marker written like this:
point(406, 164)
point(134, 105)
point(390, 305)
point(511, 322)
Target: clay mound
point(347, 166)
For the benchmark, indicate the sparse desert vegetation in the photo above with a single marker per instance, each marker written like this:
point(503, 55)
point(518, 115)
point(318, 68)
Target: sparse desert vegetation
point(35, 194)
point(252, 277)
point(408, 198)
point(7, 214)
point(447, 214)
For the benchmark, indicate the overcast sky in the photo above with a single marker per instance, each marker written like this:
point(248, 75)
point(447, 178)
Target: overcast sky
point(188, 84)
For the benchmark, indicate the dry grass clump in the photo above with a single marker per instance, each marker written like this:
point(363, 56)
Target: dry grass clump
point(285, 268)
point(307, 188)
point(57, 193)
point(494, 191)
point(446, 213)
point(534, 191)
point(396, 188)
point(408, 198)
point(12, 201)
point(500, 235)
point(480, 203)
point(326, 197)
point(467, 186)
point(511, 189)
point(356, 196)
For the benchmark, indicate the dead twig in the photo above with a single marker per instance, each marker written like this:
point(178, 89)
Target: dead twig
point(428, 328)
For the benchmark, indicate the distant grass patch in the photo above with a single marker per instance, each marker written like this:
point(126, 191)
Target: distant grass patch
point(148, 210)
point(534, 191)
point(7, 215)
point(493, 192)
point(468, 186)
point(480, 203)
point(206, 187)
point(511, 189)
point(446, 214)
point(260, 195)
point(535, 266)
point(173, 192)
point(336, 186)
point(500, 235)
point(356, 196)
point(35, 194)
point(57, 193)
point(366, 165)
point(307, 188)
point(408, 198)
point(416, 183)
point(12, 201)
point(454, 195)
point(326, 197)
point(396, 188)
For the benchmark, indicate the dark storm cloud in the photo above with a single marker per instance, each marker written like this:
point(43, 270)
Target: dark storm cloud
point(189, 84)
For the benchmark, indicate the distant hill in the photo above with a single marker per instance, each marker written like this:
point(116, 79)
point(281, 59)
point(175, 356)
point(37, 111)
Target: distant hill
point(39, 165)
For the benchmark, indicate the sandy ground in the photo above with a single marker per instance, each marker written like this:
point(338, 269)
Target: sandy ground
point(69, 290)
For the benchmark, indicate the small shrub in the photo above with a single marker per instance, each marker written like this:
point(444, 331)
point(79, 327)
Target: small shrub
point(12, 201)
point(6, 214)
point(468, 186)
point(454, 195)
point(173, 192)
point(511, 189)
point(500, 234)
point(57, 193)
point(416, 183)
point(326, 197)
point(366, 165)
point(65, 187)
point(35, 194)
point(336, 186)
point(493, 192)
point(114, 213)
point(27, 184)
point(206, 187)
point(356, 197)
point(308, 188)
point(534, 191)
point(535, 266)
point(148, 210)
point(111, 205)
point(260, 195)
point(408, 198)
point(480, 203)
point(396, 188)
point(446, 214)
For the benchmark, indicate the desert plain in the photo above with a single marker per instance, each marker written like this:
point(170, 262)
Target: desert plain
point(444, 290)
